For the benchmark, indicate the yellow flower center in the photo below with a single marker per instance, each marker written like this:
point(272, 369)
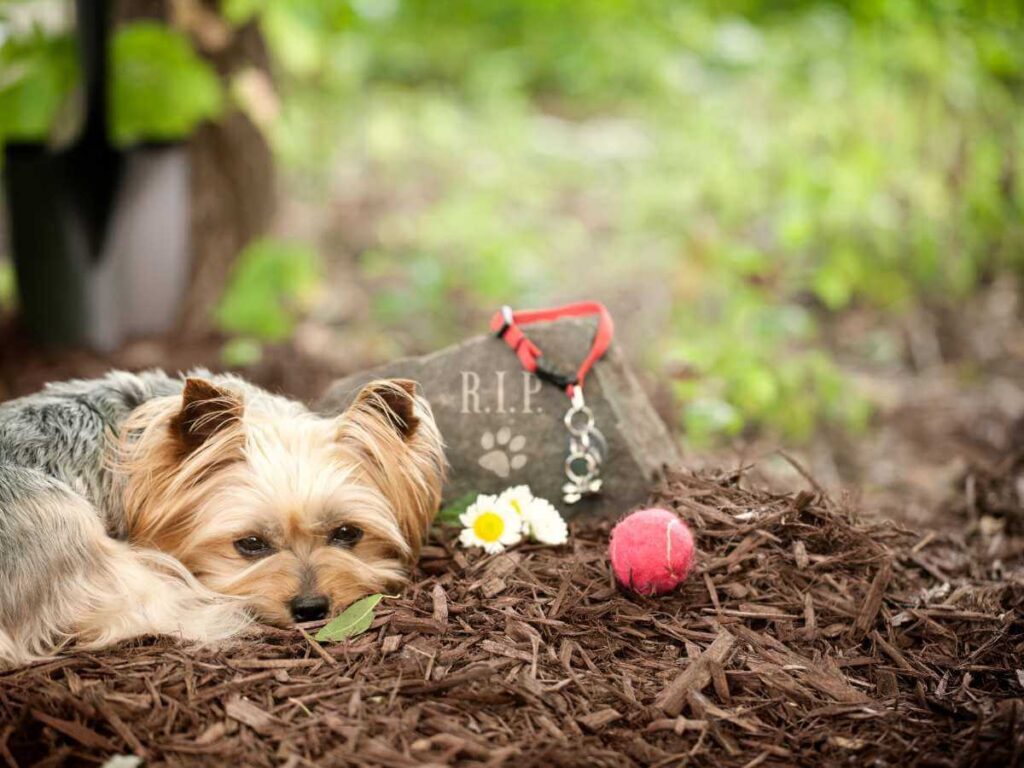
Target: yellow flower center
point(489, 526)
point(515, 505)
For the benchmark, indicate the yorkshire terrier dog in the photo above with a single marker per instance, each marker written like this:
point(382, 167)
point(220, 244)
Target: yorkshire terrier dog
point(144, 504)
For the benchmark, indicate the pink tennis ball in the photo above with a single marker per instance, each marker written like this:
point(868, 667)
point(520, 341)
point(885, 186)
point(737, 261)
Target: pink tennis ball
point(651, 551)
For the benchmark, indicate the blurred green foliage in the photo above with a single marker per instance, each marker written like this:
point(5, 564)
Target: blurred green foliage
point(160, 88)
point(36, 75)
point(741, 173)
point(271, 285)
point(8, 295)
point(753, 169)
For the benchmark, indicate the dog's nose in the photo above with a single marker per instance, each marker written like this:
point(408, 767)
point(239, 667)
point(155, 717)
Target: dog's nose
point(309, 607)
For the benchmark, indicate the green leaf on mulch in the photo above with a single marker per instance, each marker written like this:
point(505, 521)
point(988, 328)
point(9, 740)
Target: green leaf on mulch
point(449, 514)
point(353, 621)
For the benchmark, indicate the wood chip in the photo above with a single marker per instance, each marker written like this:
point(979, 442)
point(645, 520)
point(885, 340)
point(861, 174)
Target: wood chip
point(893, 653)
point(696, 675)
point(405, 623)
point(596, 721)
point(800, 554)
point(247, 713)
point(493, 587)
point(439, 600)
point(80, 733)
point(872, 602)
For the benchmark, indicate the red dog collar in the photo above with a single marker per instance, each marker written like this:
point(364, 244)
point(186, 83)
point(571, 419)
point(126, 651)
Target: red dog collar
point(506, 324)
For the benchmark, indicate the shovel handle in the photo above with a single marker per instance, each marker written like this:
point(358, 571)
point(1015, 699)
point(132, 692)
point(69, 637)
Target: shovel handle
point(92, 20)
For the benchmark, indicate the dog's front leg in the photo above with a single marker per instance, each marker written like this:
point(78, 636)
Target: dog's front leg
point(64, 581)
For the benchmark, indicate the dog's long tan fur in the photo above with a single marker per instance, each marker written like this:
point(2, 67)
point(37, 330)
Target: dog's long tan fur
point(195, 472)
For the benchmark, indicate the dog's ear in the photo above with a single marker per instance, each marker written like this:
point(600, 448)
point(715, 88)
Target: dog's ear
point(392, 430)
point(206, 409)
point(394, 400)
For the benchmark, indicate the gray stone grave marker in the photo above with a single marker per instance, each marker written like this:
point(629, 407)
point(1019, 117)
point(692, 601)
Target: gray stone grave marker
point(503, 426)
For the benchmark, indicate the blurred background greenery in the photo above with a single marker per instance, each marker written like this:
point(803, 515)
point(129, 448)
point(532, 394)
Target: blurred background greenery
point(772, 197)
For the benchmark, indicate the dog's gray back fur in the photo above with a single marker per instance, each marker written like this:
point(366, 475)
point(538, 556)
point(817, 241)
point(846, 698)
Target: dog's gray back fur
point(64, 575)
point(64, 432)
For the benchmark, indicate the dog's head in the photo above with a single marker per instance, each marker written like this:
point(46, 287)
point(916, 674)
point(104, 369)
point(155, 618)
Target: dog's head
point(297, 513)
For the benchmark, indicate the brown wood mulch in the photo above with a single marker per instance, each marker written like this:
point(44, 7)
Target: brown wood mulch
point(806, 636)
point(989, 501)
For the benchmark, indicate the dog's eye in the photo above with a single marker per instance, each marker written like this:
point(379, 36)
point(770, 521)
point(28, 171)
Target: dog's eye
point(346, 536)
point(252, 546)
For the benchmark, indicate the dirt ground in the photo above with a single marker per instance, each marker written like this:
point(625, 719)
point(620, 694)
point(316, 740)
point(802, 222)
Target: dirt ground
point(25, 368)
point(805, 636)
point(951, 404)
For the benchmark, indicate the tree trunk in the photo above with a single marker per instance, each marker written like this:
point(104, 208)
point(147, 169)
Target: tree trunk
point(232, 201)
point(233, 187)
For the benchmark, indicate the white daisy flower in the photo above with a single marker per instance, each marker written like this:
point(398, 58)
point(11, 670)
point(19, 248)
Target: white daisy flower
point(519, 497)
point(490, 523)
point(544, 524)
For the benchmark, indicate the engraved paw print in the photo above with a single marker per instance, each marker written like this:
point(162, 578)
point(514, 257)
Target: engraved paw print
point(502, 452)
